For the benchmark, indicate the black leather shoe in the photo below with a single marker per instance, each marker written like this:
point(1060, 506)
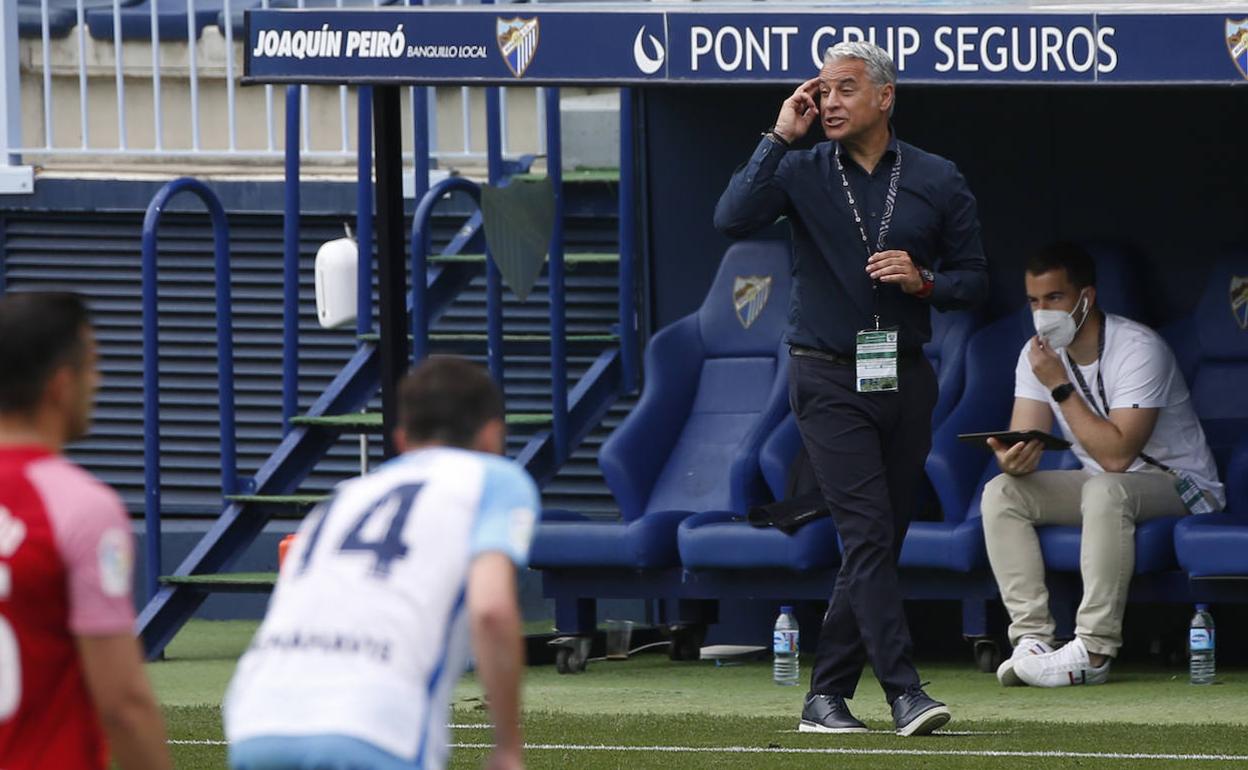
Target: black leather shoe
point(828, 714)
point(915, 713)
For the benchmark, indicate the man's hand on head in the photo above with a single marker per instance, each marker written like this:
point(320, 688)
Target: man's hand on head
point(896, 267)
point(1046, 364)
point(798, 112)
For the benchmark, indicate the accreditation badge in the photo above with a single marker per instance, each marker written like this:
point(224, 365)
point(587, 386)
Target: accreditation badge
point(876, 359)
point(1191, 494)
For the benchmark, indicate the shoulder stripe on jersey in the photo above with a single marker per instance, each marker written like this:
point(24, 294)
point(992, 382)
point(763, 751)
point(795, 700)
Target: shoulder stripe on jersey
point(435, 676)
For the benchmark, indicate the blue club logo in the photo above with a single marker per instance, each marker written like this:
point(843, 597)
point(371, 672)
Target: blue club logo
point(1239, 300)
point(749, 297)
point(1237, 44)
point(517, 40)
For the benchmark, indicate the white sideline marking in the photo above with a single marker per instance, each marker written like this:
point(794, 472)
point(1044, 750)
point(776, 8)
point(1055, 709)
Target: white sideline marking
point(958, 733)
point(226, 743)
point(830, 750)
point(872, 752)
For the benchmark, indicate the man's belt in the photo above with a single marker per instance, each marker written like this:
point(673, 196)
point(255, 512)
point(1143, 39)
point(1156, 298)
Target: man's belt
point(838, 358)
point(822, 355)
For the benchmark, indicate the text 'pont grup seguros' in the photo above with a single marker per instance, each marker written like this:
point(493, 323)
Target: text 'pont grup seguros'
point(970, 48)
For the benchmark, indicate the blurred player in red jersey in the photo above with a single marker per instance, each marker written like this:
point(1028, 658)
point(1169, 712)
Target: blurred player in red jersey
point(70, 667)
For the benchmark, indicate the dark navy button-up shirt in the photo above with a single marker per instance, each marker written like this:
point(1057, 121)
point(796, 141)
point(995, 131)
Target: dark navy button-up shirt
point(934, 220)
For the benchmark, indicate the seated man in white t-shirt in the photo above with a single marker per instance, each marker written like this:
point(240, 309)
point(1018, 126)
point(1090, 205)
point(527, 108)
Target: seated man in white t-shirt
point(1119, 397)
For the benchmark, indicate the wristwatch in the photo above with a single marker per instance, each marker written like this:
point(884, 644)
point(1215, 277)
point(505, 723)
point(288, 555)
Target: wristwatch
point(776, 138)
point(1062, 392)
point(929, 283)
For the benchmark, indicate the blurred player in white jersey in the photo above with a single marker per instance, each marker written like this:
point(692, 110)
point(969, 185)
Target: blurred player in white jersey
point(369, 625)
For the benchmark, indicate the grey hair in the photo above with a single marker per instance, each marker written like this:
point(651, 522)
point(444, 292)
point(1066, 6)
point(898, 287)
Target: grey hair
point(879, 65)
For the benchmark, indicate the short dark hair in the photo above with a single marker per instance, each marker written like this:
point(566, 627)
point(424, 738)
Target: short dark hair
point(39, 332)
point(1064, 255)
point(448, 400)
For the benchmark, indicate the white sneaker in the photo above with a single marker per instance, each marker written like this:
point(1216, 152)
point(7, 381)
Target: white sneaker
point(1065, 667)
point(1027, 646)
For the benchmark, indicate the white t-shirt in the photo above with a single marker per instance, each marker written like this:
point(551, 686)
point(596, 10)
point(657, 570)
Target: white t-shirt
point(1139, 372)
point(367, 632)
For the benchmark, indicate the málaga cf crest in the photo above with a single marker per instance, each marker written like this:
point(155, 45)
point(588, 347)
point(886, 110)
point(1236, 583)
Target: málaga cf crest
point(1239, 300)
point(517, 39)
point(1237, 43)
point(749, 296)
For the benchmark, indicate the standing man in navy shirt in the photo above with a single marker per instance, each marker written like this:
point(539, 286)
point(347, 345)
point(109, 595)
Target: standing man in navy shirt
point(881, 231)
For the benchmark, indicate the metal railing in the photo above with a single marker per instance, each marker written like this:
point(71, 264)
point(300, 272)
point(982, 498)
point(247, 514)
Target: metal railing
point(151, 357)
point(561, 429)
point(190, 78)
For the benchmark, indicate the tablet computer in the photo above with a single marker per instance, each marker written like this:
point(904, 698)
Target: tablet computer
point(1011, 437)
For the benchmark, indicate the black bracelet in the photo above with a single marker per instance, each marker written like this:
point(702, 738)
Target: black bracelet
point(773, 136)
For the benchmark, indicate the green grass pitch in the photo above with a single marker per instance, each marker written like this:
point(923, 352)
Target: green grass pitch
point(649, 712)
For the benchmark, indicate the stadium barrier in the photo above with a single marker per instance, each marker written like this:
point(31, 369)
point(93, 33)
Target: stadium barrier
point(118, 84)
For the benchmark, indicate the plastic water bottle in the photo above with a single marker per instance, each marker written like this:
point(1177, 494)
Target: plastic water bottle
point(784, 648)
point(1200, 645)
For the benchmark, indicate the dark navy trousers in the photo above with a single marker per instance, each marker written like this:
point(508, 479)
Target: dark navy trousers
point(868, 451)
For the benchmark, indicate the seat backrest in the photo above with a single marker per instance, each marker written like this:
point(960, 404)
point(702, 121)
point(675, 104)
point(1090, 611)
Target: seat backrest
point(1184, 341)
point(777, 455)
point(739, 393)
point(1236, 479)
point(946, 351)
point(1220, 379)
point(954, 467)
point(1118, 283)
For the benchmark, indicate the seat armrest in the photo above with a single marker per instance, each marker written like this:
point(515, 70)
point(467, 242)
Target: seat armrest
point(652, 538)
point(778, 453)
point(748, 485)
point(709, 517)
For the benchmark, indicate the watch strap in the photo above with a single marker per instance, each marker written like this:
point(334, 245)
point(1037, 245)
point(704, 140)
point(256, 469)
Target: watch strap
point(929, 283)
point(1062, 392)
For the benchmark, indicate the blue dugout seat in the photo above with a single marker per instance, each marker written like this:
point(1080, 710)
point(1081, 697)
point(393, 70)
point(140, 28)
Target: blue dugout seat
point(716, 386)
point(62, 15)
point(958, 471)
point(1216, 544)
point(171, 19)
point(951, 332)
point(719, 540)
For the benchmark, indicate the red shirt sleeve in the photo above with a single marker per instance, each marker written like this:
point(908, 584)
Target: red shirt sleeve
point(95, 542)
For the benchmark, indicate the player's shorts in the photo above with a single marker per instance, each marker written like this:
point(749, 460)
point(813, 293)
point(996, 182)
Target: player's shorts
point(312, 752)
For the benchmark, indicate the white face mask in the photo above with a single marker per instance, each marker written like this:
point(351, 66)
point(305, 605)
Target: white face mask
point(1057, 328)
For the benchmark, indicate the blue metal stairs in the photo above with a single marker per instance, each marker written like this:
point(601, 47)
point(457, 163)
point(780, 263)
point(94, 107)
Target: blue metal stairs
point(454, 291)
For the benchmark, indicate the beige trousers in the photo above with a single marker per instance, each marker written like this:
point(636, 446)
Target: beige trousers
point(1107, 506)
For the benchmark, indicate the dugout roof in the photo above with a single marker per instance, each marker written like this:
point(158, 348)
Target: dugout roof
point(651, 44)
